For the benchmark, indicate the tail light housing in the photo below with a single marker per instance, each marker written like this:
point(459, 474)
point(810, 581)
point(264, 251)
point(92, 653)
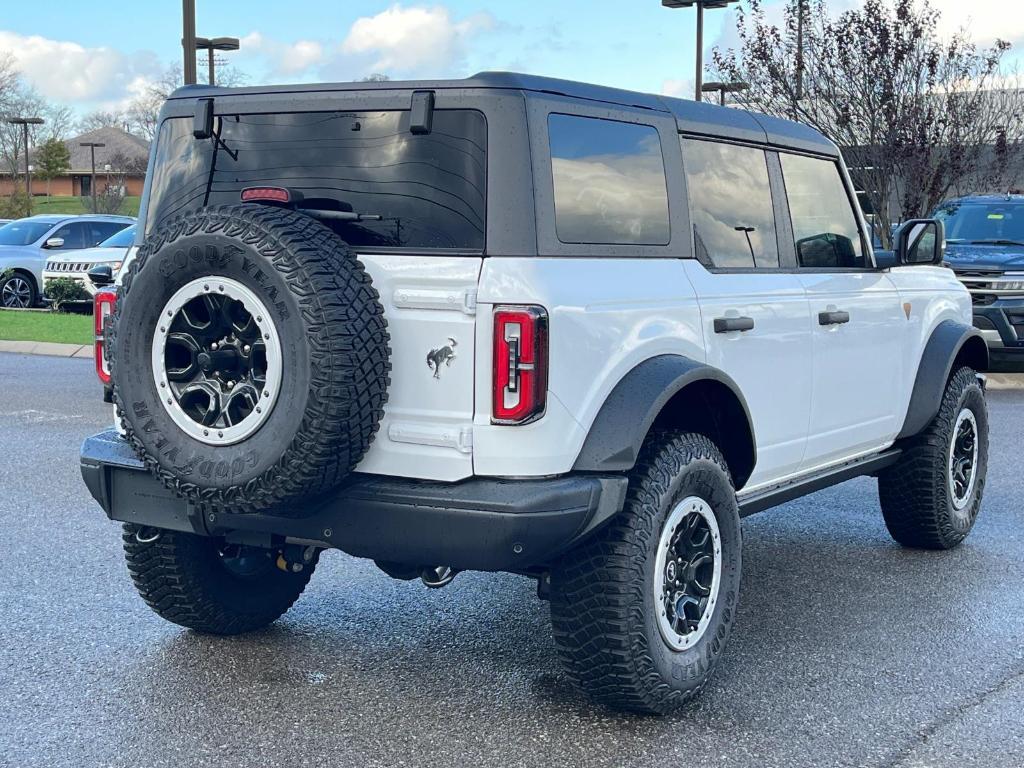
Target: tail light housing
point(102, 308)
point(520, 380)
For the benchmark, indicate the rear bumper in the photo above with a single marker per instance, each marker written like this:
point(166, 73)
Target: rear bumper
point(477, 524)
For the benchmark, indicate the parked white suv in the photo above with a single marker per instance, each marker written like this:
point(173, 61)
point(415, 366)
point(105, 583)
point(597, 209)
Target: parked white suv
point(517, 324)
point(75, 266)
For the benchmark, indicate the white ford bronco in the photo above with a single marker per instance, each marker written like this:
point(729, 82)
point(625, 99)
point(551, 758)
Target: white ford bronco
point(516, 324)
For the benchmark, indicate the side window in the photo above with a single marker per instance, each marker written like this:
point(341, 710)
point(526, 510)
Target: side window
point(73, 235)
point(609, 180)
point(824, 224)
point(101, 230)
point(730, 205)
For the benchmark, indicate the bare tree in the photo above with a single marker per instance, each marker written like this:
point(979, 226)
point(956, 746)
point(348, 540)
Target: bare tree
point(917, 117)
point(101, 119)
point(144, 111)
point(20, 101)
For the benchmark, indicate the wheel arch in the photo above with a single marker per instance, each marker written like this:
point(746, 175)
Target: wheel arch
point(24, 272)
point(672, 392)
point(951, 345)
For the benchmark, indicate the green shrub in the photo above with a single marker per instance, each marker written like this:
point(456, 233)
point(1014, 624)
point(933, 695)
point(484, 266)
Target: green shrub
point(61, 290)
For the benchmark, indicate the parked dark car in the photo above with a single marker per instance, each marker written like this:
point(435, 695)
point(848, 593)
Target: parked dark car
point(985, 247)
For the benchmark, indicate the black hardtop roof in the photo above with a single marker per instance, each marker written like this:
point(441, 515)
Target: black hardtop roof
point(691, 116)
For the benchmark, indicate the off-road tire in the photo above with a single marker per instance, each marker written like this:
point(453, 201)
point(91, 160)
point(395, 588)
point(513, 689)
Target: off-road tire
point(603, 608)
point(915, 491)
point(181, 577)
point(335, 366)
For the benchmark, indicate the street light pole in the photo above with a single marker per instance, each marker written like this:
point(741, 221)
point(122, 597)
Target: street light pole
point(723, 88)
point(92, 183)
point(701, 5)
point(188, 39)
point(699, 76)
point(25, 122)
point(216, 44)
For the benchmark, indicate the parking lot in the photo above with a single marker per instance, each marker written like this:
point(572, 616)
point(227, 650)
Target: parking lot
point(847, 649)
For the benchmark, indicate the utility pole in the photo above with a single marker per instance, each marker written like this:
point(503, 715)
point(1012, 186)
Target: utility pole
point(800, 10)
point(25, 122)
point(188, 39)
point(92, 183)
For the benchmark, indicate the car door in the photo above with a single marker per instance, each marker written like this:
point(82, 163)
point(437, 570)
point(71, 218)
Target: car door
point(857, 319)
point(754, 311)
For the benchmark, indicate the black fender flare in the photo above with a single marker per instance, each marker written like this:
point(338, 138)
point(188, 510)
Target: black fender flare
point(943, 348)
point(618, 432)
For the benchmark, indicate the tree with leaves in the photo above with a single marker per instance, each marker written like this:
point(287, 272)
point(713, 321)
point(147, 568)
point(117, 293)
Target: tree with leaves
point(917, 117)
point(51, 159)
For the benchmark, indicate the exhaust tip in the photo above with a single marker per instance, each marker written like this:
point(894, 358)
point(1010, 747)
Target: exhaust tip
point(437, 576)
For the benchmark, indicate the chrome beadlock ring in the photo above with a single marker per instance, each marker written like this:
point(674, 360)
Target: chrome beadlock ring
point(216, 360)
point(687, 573)
point(962, 459)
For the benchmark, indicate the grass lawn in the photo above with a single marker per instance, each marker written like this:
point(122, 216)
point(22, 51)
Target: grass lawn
point(73, 205)
point(60, 327)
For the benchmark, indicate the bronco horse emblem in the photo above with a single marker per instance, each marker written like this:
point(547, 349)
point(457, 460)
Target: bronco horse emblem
point(441, 355)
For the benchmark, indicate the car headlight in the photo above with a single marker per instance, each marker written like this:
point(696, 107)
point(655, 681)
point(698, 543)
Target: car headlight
point(114, 265)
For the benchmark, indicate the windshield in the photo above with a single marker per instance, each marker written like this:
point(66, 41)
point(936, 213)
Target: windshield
point(983, 222)
point(23, 232)
point(122, 239)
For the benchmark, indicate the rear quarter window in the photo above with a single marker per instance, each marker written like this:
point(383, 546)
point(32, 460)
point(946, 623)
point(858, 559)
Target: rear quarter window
point(414, 190)
point(609, 182)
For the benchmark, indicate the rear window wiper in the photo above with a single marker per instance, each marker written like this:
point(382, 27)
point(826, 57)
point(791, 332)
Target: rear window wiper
point(324, 213)
point(996, 241)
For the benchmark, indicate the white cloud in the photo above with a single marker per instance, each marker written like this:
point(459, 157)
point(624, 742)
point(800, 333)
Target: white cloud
point(985, 20)
point(286, 59)
point(413, 40)
point(682, 89)
point(71, 73)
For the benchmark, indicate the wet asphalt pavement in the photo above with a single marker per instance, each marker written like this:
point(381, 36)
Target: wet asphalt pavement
point(847, 650)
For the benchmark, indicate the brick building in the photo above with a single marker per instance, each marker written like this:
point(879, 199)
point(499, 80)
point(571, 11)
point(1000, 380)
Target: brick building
point(124, 153)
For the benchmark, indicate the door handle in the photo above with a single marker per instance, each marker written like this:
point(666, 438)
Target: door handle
point(727, 324)
point(833, 318)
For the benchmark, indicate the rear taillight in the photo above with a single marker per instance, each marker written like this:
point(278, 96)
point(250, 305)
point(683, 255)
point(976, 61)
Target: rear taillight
point(102, 308)
point(520, 364)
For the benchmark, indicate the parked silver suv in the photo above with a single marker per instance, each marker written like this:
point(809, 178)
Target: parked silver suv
point(26, 244)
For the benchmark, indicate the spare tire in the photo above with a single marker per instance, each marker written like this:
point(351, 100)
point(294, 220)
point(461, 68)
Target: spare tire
point(249, 356)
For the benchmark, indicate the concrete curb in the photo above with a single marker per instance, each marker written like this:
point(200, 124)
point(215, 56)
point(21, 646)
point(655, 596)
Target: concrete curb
point(996, 381)
point(46, 348)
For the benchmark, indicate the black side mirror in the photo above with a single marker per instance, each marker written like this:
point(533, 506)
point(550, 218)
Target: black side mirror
point(101, 276)
point(920, 241)
point(885, 259)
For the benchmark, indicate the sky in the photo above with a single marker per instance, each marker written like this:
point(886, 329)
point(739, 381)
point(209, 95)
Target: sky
point(99, 56)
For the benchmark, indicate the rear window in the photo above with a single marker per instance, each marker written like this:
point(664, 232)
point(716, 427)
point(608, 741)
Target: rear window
point(609, 180)
point(412, 190)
